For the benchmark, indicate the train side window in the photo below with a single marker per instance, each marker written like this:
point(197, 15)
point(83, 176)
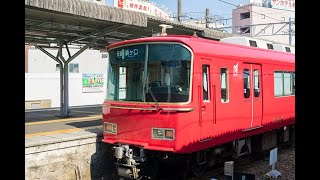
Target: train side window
point(270, 46)
point(284, 83)
point(246, 83)
point(205, 82)
point(288, 49)
point(288, 83)
point(253, 43)
point(293, 79)
point(256, 83)
point(278, 83)
point(224, 85)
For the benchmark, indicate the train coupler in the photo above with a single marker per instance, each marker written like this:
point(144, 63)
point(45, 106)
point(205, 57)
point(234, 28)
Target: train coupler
point(126, 162)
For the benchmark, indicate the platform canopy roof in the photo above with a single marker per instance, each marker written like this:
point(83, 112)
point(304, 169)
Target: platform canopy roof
point(76, 22)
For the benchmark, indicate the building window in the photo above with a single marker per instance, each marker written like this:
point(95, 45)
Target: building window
point(270, 46)
point(245, 15)
point(263, 31)
point(284, 83)
point(288, 49)
point(74, 68)
point(224, 85)
point(205, 82)
point(245, 30)
point(246, 83)
point(263, 16)
point(256, 83)
point(57, 67)
point(104, 55)
point(283, 19)
point(253, 43)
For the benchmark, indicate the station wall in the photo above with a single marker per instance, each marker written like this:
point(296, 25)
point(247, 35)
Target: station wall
point(45, 87)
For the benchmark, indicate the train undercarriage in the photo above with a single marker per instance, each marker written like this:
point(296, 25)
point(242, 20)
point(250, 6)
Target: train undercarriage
point(137, 163)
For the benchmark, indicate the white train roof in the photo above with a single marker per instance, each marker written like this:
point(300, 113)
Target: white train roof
point(259, 43)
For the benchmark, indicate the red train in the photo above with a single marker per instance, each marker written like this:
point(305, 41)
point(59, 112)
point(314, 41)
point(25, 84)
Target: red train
point(195, 102)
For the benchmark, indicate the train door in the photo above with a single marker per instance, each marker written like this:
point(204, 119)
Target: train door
point(252, 93)
point(206, 93)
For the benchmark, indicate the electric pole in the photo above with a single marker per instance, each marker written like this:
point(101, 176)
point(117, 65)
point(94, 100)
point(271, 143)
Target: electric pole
point(179, 11)
point(290, 33)
point(207, 18)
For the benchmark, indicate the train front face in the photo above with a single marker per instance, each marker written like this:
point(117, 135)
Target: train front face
point(148, 91)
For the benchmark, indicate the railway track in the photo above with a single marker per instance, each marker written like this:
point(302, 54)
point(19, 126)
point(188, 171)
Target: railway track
point(212, 172)
point(219, 171)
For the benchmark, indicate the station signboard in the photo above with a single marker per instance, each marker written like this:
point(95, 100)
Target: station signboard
point(141, 6)
point(283, 4)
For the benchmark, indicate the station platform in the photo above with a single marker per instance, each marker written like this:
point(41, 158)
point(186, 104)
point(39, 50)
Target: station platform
point(43, 126)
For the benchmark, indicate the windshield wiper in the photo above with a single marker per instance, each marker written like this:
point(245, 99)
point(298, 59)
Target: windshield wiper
point(152, 95)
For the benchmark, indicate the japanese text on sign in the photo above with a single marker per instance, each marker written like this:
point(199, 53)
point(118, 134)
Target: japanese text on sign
point(127, 53)
point(141, 6)
point(286, 4)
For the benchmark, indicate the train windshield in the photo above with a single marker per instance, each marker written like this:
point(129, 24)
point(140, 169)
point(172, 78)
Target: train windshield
point(149, 73)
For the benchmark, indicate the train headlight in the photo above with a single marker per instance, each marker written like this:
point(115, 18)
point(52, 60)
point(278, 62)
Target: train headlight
point(163, 133)
point(168, 134)
point(110, 128)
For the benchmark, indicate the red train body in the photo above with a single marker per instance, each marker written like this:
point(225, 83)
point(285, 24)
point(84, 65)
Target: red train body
point(205, 93)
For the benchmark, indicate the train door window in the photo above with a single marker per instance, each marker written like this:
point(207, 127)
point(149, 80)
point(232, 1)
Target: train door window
point(224, 85)
point(205, 82)
point(246, 83)
point(256, 83)
point(278, 83)
point(288, 49)
point(122, 83)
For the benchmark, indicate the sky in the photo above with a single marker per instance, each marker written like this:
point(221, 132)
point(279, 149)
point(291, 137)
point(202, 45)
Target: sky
point(216, 7)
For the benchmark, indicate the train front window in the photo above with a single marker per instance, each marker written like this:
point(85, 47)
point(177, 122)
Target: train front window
point(138, 72)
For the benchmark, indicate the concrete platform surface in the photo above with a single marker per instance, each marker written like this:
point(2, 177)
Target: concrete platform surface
point(42, 126)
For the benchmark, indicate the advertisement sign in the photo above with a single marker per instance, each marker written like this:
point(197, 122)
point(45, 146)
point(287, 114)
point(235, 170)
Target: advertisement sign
point(141, 6)
point(92, 83)
point(283, 4)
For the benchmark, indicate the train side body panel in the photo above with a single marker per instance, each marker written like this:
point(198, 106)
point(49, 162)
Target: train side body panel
point(211, 122)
